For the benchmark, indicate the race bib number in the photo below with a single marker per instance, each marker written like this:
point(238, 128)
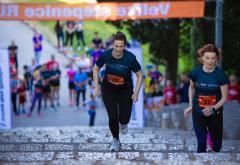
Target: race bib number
point(117, 80)
point(38, 90)
point(206, 101)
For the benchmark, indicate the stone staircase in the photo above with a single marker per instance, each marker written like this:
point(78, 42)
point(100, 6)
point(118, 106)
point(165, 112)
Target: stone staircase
point(84, 145)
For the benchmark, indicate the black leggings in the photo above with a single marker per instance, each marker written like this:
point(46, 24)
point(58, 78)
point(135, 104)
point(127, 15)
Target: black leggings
point(78, 92)
point(14, 102)
point(212, 124)
point(118, 103)
point(69, 37)
point(80, 37)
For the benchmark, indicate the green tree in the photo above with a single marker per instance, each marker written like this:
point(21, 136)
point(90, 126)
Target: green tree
point(231, 36)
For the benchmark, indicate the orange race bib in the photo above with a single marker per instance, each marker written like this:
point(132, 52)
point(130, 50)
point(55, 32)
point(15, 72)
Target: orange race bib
point(206, 101)
point(117, 80)
point(38, 90)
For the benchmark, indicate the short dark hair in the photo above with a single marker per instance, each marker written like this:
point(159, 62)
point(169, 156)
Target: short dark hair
point(120, 36)
point(25, 67)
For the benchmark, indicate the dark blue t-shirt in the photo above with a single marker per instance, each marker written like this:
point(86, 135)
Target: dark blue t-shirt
point(207, 87)
point(183, 92)
point(119, 67)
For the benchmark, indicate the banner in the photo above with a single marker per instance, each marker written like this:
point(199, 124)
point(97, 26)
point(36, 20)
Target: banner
point(5, 108)
point(102, 11)
point(137, 109)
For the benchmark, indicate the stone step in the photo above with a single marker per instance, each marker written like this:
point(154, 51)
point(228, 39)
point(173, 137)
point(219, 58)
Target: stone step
point(114, 156)
point(100, 147)
point(73, 145)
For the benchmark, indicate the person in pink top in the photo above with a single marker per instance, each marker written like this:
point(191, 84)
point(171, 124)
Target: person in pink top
point(170, 93)
point(71, 86)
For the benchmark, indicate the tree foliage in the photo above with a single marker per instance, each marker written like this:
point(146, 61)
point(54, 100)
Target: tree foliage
point(231, 36)
point(170, 39)
point(162, 35)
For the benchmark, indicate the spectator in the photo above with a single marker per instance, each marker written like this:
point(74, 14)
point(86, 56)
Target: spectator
point(148, 85)
point(22, 97)
point(14, 90)
point(80, 81)
point(52, 62)
point(33, 66)
point(70, 29)
point(109, 41)
point(55, 83)
point(27, 79)
point(92, 110)
point(38, 93)
point(233, 89)
point(95, 54)
point(183, 89)
point(80, 35)
point(97, 41)
point(84, 62)
point(170, 93)
point(155, 74)
point(46, 77)
point(13, 50)
point(59, 32)
point(37, 45)
point(157, 96)
point(71, 86)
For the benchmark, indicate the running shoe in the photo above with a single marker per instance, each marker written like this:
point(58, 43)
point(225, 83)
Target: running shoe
point(115, 145)
point(29, 114)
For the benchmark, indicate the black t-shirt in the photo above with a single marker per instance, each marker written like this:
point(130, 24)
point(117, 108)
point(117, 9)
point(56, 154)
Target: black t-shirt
point(97, 42)
point(38, 87)
point(27, 75)
point(12, 48)
point(58, 28)
point(56, 73)
point(46, 75)
point(118, 70)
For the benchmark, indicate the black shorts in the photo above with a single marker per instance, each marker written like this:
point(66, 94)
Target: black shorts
point(55, 83)
point(46, 89)
point(71, 85)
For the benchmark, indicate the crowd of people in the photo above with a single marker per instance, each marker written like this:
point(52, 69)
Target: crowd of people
point(159, 91)
point(39, 85)
point(41, 82)
point(65, 32)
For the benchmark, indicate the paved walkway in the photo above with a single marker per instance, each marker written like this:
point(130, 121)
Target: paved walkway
point(65, 115)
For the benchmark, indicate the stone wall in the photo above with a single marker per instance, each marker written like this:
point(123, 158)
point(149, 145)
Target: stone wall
point(172, 117)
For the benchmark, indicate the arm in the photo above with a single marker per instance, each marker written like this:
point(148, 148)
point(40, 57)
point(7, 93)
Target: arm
point(191, 91)
point(96, 70)
point(138, 85)
point(224, 92)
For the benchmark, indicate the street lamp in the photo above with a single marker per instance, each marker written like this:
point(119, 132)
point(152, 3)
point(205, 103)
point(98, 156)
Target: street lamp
point(218, 26)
